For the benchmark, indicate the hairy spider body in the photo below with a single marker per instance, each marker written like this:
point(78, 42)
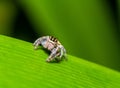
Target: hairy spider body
point(53, 45)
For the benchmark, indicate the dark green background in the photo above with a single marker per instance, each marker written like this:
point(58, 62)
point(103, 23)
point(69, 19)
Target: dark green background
point(88, 29)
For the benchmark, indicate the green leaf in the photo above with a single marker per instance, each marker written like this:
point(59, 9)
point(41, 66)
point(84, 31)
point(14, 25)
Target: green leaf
point(87, 24)
point(23, 67)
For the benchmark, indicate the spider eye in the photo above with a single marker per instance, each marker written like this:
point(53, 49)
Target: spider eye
point(44, 40)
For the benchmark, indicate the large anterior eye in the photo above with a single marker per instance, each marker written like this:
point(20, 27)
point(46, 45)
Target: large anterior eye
point(43, 42)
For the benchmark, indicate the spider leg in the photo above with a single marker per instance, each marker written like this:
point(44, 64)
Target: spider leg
point(53, 55)
point(37, 43)
point(63, 52)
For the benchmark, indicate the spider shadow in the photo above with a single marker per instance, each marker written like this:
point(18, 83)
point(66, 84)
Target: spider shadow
point(45, 50)
point(58, 60)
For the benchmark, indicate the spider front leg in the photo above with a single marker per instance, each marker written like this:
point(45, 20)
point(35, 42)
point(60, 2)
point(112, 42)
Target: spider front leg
point(37, 43)
point(53, 55)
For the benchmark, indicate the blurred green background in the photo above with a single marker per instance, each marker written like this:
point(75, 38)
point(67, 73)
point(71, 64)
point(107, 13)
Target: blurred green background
point(88, 29)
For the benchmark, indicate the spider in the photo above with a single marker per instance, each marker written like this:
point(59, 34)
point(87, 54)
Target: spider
point(53, 45)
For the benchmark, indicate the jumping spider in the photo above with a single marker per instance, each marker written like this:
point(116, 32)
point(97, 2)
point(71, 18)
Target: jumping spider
point(53, 45)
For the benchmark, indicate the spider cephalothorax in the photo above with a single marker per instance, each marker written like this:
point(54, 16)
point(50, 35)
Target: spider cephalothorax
point(53, 45)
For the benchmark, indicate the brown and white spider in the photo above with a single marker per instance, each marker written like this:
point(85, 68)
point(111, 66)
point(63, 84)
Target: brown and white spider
point(53, 45)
